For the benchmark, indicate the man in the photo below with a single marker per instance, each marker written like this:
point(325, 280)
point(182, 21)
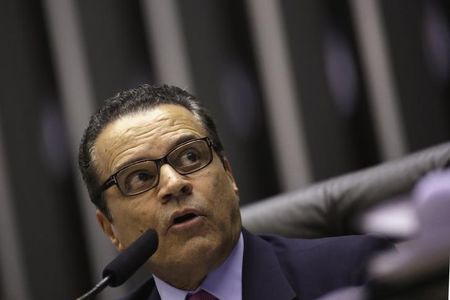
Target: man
point(151, 158)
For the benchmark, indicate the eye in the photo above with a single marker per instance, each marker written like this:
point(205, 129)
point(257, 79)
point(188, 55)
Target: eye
point(189, 157)
point(138, 180)
point(138, 177)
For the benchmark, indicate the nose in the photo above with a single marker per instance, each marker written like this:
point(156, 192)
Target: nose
point(172, 185)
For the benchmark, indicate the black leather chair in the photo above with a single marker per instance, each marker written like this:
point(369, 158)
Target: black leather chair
point(330, 208)
point(418, 270)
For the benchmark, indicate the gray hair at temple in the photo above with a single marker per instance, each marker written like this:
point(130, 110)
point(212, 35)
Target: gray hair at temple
point(139, 99)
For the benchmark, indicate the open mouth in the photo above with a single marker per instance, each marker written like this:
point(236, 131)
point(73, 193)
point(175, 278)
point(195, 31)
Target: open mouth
point(184, 218)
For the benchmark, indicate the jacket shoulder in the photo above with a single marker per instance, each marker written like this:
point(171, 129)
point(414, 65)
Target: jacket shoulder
point(341, 244)
point(316, 265)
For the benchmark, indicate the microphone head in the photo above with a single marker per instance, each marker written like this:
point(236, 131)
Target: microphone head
point(129, 261)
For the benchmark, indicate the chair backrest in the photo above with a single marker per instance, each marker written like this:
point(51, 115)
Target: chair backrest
point(330, 207)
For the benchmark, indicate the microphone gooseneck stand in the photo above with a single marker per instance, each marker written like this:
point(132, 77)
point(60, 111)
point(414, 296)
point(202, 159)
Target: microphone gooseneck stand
point(126, 263)
point(96, 289)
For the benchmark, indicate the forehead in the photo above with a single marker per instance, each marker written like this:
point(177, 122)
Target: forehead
point(158, 120)
point(146, 133)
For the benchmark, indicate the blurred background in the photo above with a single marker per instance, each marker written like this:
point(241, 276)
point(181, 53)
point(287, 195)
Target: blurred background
point(302, 91)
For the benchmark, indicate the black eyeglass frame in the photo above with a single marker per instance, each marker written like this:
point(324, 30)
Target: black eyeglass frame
point(112, 180)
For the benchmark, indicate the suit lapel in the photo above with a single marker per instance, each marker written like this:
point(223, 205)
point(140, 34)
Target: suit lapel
point(262, 276)
point(146, 291)
point(154, 295)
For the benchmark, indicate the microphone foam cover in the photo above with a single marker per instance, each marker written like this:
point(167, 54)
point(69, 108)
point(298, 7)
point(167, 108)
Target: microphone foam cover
point(127, 262)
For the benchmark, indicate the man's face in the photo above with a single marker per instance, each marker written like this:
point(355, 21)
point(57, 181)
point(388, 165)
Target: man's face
point(208, 198)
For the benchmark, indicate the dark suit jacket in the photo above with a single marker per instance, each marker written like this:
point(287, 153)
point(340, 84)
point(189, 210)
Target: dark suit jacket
point(285, 269)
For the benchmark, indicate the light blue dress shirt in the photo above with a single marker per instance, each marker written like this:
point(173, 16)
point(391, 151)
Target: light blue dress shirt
point(225, 283)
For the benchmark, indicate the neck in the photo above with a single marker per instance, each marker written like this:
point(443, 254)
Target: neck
point(189, 276)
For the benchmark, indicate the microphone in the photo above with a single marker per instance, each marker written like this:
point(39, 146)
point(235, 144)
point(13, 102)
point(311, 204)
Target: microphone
point(126, 263)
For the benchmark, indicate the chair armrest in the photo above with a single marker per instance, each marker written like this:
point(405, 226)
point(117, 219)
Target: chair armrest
point(329, 208)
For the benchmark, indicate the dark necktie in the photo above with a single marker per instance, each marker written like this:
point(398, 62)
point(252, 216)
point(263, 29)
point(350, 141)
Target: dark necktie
point(201, 295)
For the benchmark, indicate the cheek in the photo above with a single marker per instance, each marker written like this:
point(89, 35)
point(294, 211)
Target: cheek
point(224, 199)
point(131, 219)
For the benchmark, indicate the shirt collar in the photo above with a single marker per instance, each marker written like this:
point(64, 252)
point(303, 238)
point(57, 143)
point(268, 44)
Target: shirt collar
point(225, 283)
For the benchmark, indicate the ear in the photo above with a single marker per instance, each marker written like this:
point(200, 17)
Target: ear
point(227, 167)
point(108, 229)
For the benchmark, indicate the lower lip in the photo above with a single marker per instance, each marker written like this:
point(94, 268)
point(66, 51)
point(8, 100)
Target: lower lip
point(187, 224)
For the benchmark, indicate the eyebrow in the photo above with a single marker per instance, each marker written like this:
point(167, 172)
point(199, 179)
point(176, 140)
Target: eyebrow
point(180, 140)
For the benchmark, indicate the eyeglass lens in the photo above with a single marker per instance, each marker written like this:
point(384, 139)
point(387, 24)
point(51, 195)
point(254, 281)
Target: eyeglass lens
point(144, 175)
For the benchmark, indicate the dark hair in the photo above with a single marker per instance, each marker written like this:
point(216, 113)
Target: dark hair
point(135, 100)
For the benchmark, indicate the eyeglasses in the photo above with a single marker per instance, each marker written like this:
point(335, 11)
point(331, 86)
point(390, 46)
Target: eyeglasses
point(143, 175)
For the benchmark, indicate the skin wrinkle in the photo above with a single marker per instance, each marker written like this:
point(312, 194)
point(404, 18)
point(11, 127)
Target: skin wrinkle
point(103, 174)
point(128, 136)
point(184, 257)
